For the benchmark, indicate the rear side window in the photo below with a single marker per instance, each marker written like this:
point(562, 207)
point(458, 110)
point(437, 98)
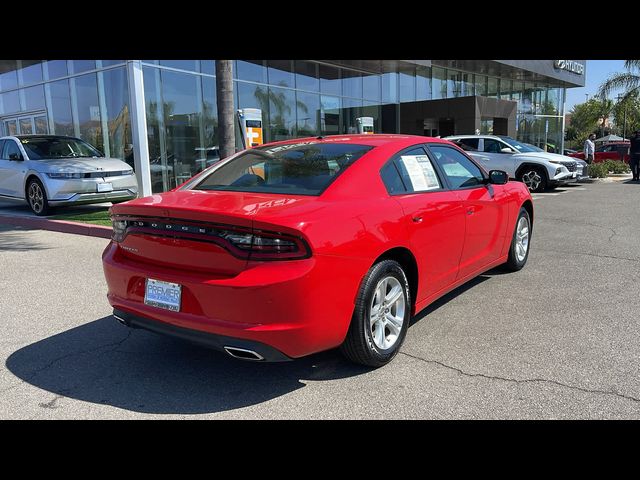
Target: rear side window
point(1, 147)
point(391, 179)
point(297, 168)
point(410, 172)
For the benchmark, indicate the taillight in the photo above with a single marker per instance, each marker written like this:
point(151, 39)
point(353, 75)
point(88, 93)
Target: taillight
point(119, 229)
point(240, 242)
point(263, 245)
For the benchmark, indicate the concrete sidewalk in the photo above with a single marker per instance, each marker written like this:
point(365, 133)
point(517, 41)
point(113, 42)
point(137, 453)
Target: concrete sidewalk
point(19, 214)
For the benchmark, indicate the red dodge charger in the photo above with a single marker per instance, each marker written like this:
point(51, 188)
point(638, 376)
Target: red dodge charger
point(305, 245)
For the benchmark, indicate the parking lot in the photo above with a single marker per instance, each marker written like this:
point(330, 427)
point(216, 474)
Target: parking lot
point(559, 339)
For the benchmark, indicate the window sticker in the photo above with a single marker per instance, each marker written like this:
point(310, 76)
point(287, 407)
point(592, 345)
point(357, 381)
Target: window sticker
point(420, 171)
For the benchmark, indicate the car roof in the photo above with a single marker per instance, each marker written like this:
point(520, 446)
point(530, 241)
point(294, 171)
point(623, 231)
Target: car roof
point(43, 135)
point(473, 135)
point(374, 140)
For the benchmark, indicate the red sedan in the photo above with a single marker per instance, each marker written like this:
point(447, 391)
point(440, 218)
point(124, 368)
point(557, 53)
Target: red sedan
point(609, 151)
point(296, 247)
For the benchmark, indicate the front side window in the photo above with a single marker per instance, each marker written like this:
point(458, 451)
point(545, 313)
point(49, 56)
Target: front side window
point(459, 170)
point(42, 148)
point(519, 146)
point(492, 146)
point(299, 168)
point(10, 148)
point(468, 144)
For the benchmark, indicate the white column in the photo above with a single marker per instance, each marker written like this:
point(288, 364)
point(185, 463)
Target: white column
point(564, 112)
point(138, 116)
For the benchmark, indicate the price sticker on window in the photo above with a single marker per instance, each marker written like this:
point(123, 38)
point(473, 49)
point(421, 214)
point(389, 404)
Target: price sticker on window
point(421, 173)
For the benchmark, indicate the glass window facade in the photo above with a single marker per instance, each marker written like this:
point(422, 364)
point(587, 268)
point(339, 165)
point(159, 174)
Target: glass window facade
point(84, 98)
point(91, 99)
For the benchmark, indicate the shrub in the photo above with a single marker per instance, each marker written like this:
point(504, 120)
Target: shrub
point(598, 170)
point(616, 166)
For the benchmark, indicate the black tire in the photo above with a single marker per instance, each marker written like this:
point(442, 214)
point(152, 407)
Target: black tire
point(535, 178)
point(37, 199)
point(360, 346)
point(514, 264)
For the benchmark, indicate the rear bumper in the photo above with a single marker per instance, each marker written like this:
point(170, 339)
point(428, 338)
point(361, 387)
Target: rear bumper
point(210, 340)
point(295, 307)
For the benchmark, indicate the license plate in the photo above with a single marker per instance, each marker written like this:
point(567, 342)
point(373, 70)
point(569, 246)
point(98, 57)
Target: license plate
point(575, 174)
point(163, 294)
point(105, 187)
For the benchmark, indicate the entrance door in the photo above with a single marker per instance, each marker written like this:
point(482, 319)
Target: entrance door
point(25, 124)
point(446, 127)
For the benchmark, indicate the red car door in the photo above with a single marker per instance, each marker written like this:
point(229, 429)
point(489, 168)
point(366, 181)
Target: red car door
point(433, 216)
point(482, 205)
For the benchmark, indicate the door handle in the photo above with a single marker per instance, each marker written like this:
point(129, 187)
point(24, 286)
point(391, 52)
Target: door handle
point(471, 211)
point(417, 219)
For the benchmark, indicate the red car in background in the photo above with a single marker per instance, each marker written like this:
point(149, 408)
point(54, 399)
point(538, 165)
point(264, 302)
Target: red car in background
point(292, 248)
point(608, 151)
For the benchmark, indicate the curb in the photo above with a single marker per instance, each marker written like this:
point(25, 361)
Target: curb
point(613, 178)
point(58, 226)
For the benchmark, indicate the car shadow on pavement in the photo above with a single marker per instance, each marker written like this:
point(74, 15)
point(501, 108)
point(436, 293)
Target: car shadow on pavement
point(453, 294)
point(13, 239)
point(104, 362)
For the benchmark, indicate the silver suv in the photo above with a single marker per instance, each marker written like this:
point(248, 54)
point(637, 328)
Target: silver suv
point(538, 170)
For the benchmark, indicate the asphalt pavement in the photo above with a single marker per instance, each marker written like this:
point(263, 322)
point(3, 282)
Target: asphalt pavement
point(557, 340)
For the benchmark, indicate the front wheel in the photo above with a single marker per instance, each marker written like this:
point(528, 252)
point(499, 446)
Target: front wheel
point(381, 316)
point(520, 243)
point(37, 198)
point(534, 178)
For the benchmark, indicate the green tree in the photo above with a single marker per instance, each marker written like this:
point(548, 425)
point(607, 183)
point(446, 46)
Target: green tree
point(626, 114)
point(584, 120)
point(604, 107)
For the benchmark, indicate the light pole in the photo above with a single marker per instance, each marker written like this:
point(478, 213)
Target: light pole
point(624, 121)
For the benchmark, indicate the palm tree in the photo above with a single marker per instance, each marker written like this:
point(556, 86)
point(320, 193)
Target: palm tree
point(226, 115)
point(629, 81)
point(604, 109)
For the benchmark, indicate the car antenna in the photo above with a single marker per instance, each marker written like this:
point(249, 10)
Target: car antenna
point(319, 137)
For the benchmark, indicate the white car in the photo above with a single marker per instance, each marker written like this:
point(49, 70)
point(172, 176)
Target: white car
point(537, 169)
point(52, 170)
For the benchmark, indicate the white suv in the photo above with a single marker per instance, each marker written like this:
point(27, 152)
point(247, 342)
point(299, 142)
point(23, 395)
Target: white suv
point(538, 170)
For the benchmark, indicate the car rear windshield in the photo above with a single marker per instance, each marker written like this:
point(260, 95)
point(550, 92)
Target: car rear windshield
point(298, 168)
point(43, 148)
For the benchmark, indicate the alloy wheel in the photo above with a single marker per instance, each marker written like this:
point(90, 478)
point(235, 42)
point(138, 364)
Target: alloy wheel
point(36, 198)
point(386, 312)
point(532, 180)
point(522, 238)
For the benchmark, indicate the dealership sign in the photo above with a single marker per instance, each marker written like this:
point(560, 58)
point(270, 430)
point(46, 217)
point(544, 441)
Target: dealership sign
point(570, 66)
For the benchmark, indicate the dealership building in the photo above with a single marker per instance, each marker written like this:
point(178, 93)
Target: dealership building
point(160, 115)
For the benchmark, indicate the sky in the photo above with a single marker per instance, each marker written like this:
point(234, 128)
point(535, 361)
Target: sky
point(597, 72)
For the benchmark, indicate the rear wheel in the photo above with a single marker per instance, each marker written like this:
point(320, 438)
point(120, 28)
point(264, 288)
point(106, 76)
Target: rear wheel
point(37, 198)
point(381, 316)
point(534, 178)
point(519, 250)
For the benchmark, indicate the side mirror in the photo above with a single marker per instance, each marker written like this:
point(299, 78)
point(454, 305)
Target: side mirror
point(15, 157)
point(498, 177)
point(506, 150)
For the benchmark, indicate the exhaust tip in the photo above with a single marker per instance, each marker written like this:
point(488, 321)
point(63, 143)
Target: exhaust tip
point(121, 320)
point(243, 354)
